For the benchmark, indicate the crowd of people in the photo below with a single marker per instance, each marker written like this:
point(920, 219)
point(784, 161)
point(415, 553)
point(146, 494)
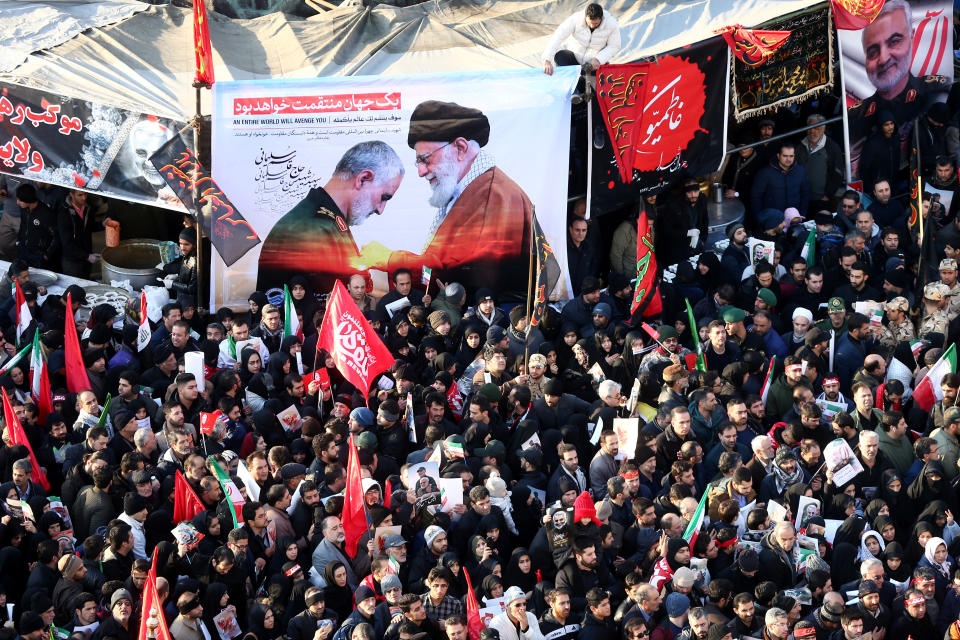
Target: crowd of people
point(754, 465)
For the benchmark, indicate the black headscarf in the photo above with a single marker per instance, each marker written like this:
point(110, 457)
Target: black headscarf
point(211, 603)
point(512, 575)
point(338, 599)
point(850, 531)
point(904, 571)
point(255, 624)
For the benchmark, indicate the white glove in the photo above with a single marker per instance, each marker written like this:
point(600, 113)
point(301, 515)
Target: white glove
point(169, 279)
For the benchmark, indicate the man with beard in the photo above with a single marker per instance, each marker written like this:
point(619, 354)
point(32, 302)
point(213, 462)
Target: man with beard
point(314, 237)
point(887, 47)
point(480, 233)
point(736, 258)
point(117, 626)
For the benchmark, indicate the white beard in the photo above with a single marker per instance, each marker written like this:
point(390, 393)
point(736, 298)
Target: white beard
point(446, 183)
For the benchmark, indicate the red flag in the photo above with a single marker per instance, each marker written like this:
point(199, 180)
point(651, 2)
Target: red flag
point(354, 514)
point(186, 504)
point(319, 376)
point(653, 333)
point(754, 46)
point(647, 293)
point(17, 436)
point(152, 606)
point(474, 624)
point(854, 15)
point(356, 349)
point(208, 421)
point(77, 379)
point(201, 44)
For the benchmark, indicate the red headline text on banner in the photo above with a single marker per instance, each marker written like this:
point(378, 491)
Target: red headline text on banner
point(317, 104)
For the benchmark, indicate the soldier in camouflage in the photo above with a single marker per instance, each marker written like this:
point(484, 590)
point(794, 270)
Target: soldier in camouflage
point(935, 316)
point(899, 327)
point(948, 278)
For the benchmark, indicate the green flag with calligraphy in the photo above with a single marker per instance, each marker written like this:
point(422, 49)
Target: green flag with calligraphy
point(646, 296)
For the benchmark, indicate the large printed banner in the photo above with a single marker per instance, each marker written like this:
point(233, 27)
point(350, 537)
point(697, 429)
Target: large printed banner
point(901, 63)
point(798, 70)
point(678, 111)
point(85, 145)
point(366, 175)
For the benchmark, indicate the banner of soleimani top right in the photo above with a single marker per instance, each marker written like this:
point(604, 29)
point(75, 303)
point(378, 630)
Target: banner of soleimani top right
point(896, 67)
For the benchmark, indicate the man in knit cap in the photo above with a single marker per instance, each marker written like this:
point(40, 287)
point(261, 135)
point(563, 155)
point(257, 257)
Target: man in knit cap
point(68, 587)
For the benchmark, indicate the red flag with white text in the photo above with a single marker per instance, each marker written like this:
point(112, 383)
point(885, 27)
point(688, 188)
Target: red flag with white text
point(357, 350)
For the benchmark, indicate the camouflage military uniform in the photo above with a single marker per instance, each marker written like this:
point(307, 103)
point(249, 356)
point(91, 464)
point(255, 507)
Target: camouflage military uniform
point(311, 239)
point(953, 307)
point(895, 332)
point(936, 322)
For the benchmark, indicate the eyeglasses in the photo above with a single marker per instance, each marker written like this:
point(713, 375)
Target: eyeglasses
point(641, 634)
point(425, 158)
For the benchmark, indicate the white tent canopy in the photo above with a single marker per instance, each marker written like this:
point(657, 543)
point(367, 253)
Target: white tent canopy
point(141, 57)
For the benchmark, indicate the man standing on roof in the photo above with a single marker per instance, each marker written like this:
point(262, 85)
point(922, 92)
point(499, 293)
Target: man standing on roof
point(590, 39)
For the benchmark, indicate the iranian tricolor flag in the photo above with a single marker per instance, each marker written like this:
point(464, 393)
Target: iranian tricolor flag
point(808, 252)
point(17, 357)
point(768, 381)
point(411, 426)
point(693, 529)
point(928, 390)
point(24, 317)
point(291, 323)
point(231, 491)
point(40, 382)
point(143, 331)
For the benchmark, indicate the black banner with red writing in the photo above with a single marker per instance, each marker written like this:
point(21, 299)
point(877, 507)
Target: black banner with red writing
point(226, 227)
point(677, 116)
point(80, 144)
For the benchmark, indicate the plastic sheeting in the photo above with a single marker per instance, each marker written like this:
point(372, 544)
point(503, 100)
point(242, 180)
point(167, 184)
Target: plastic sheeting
point(30, 26)
point(145, 63)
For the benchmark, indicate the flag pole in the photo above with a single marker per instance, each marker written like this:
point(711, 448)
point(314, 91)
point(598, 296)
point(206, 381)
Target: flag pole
point(197, 119)
point(530, 270)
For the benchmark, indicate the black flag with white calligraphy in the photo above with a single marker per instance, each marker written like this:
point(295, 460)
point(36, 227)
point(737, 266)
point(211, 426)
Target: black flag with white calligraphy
point(680, 125)
point(226, 227)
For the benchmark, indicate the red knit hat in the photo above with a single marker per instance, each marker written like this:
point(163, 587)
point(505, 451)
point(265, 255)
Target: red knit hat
point(583, 508)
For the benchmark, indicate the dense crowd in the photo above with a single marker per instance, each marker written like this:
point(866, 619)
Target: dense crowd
point(754, 462)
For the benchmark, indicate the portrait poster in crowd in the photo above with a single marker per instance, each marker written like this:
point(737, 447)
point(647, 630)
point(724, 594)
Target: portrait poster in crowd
point(451, 493)
point(806, 508)
point(899, 64)
point(424, 479)
point(79, 144)
point(441, 171)
point(760, 250)
point(381, 534)
point(678, 114)
point(800, 69)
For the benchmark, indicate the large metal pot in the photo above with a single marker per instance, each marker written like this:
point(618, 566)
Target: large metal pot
point(135, 260)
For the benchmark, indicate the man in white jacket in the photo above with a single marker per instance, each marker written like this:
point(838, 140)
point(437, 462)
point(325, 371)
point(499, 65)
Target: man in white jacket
point(516, 623)
point(590, 39)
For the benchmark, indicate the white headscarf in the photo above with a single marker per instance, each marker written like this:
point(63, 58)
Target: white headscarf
point(864, 551)
point(928, 552)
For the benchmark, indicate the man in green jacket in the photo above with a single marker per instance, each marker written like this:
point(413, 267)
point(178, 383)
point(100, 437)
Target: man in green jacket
point(894, 443)
point(948, 444)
